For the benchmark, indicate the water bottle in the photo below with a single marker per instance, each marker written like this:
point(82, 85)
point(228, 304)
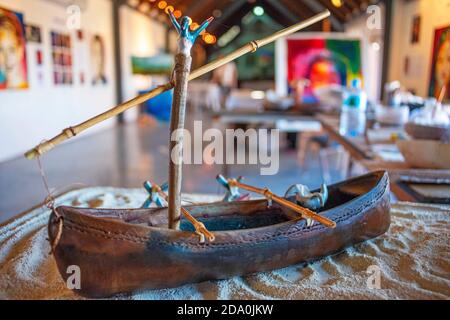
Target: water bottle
point(353, 114)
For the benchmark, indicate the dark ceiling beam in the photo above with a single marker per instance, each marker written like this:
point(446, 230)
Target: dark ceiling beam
point(194, 8)
point(338, 12)
point(290, 16)
point(299, 8)
point(228, 12)
point(352, 4)
point(204, 12)
point(336, 19)
point(233, 20)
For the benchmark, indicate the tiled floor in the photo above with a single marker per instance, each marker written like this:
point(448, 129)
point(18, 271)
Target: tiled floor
point(125, 156)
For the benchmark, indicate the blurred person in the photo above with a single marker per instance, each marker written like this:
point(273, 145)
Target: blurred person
point(226, 77)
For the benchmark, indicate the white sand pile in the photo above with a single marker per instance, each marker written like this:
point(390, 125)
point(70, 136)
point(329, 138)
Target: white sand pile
point(413, 258)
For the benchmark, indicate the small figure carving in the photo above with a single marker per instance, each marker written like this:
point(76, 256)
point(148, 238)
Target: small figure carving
point(187, 37)
point(305, 198)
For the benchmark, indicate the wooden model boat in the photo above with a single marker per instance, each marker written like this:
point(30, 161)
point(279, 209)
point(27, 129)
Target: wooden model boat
point(126, 250)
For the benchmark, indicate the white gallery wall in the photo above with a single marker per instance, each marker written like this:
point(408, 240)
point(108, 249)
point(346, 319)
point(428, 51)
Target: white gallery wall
point(28, 116)
point(42, 111)
point(434, 14)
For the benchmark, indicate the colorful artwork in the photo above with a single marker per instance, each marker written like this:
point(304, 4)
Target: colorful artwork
point(415, 30)
point(62, 59)
point(33, 33)
point(98, 60)
point(323, 62)
point(440, 74)
point(158, 64)
point(13, 62)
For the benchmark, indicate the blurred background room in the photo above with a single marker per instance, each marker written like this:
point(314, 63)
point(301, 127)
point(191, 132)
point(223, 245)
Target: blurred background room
point(366, 89)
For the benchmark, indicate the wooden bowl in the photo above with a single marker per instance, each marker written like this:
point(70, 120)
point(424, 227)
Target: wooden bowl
point(425, 154)
point(426, 132)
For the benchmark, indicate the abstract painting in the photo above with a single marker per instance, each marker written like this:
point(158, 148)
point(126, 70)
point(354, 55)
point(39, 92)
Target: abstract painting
point(13, 62)
point(440, 64)
point(62, 58)
point(415, 29)
point(323, 62)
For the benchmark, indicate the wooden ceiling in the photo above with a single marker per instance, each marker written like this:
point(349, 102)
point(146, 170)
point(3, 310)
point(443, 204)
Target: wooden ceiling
point(229, 12)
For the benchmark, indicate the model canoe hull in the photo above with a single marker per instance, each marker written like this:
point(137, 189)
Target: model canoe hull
point(120, 251)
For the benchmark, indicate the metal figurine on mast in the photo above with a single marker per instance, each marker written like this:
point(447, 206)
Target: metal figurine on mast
point(181, 77)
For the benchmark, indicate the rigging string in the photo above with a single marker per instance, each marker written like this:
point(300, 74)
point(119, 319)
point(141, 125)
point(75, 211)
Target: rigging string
point(50, 204)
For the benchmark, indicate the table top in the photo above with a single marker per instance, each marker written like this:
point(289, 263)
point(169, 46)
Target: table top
point(436, 182)
point(246, 116)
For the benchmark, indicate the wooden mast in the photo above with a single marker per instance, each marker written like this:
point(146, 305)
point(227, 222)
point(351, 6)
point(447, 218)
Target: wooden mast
point(181, 73)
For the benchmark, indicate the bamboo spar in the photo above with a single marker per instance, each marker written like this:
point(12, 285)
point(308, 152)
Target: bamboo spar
point(250, 47)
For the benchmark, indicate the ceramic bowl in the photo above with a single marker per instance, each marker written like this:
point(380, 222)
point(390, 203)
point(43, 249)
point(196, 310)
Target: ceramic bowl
point(425, 154)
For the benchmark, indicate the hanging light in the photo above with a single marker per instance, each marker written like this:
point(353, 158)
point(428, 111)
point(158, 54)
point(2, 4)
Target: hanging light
point(258, 11)
point(162, 5)
point(194, 26)
point(177, 14)
point(337, 3)
point(169, 9)
point(209, 38)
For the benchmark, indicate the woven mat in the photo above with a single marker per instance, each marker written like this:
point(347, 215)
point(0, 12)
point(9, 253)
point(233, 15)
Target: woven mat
point(412, 258)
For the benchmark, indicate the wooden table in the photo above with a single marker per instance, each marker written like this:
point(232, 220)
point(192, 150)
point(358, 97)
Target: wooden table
point(276, 119)
point(358, 147)
point(361, 151)
point(255, 117)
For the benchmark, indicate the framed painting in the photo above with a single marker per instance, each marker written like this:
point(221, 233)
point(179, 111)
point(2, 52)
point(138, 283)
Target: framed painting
point(320, 61)
point(440, 64)
point(13, 61)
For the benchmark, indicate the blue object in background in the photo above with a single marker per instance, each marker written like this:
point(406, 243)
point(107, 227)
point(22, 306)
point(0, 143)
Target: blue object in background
point(159, 106)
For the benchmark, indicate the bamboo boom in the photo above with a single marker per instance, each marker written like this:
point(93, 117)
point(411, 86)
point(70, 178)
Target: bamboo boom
point(301, 210)
point(250, 47)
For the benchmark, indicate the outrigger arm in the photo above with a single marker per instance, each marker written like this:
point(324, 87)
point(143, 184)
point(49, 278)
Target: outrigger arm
point(304, 212)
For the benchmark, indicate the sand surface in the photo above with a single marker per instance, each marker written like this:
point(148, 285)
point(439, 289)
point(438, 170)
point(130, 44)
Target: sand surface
point(413, 259)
